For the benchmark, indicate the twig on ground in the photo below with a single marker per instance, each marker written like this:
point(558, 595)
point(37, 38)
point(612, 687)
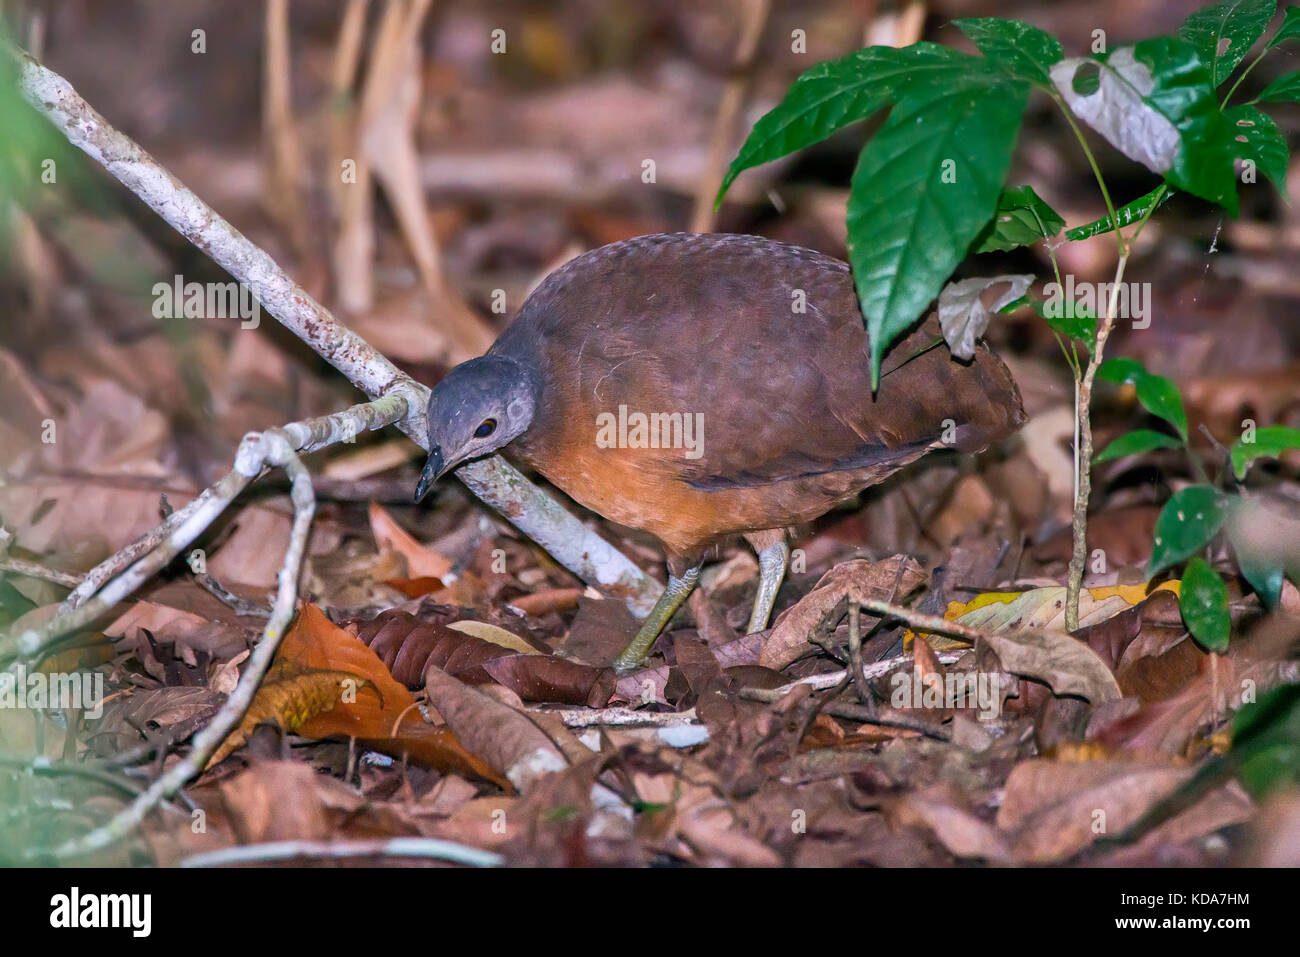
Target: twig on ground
point(20, 566)
point(623, 717)
point(240, 606)
point(271, 448)
point(422, 847)
point(854, 712)
point(256, 452)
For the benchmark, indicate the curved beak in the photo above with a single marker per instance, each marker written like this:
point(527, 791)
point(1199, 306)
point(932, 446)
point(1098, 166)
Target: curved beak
point(433, 470)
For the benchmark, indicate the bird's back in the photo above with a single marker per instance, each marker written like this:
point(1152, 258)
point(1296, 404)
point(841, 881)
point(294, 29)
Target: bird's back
point(762, 345)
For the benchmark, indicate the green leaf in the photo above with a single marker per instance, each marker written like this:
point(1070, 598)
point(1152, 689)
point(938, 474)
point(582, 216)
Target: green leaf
point(1184, 94)
point(1224, 32)
point(1154, 103)
point(831, 95)
point(1258, 139)
point(1290, 28)
point(1127, 215)
point(1160, 397)
point(1019, 48)
point(1184, 526)
point(1135, 443)
point(1121, 370)
point(1285, 89)
point(1264, 574)
point(1266, 741)
point(924, 187)
point(1270, 442)
point(1203, 600)
point(1068, 318)
point(1263, 539)
point(1022, 218)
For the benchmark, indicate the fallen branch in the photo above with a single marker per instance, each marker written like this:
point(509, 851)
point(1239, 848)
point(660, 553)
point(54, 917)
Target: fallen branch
point(429, 848)
point(19, 566)
point(270, 448)
point(119, 577)
point(854, 712)
point(493, 480)
point(577, 718)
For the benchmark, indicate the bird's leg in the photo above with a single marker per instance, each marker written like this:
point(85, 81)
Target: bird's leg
point(772, 562)
point(674, 594)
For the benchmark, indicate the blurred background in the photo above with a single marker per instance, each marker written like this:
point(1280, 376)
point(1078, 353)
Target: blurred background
point(419, 166)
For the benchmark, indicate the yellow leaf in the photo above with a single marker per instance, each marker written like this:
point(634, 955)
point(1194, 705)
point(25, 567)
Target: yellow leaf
point(288, 698)
point(1037, 609)
point(498, 636)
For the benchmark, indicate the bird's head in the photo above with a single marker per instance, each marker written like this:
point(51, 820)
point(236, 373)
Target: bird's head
point(477, 408)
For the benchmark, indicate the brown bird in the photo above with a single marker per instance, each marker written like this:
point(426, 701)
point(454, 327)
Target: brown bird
point(702, 386)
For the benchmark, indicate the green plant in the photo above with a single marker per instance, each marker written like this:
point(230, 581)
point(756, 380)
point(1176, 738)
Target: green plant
point(929, 189)
point(1194, 515)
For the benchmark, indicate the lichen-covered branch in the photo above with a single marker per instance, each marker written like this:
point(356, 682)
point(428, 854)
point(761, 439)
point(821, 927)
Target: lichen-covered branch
point(271, 448)
point(121, 574)
point(493, 480)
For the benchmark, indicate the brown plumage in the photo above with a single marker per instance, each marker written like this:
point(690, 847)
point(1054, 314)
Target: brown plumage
point(760, 343)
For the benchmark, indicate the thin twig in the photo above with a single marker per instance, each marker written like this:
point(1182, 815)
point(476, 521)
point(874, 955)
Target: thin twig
point(20, 566)
point(854, 712)
point(271, 448)
point(422, 847)
point(623, 717)
point(241, 606)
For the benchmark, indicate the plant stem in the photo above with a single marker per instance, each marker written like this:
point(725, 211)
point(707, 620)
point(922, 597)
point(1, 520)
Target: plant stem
point(1096, 172)
point(1233, 89)
point(1083, 422)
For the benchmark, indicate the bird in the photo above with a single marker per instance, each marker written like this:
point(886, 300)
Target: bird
point(705, 386)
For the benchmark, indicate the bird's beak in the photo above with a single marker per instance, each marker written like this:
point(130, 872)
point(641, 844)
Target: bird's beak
point(433, 470)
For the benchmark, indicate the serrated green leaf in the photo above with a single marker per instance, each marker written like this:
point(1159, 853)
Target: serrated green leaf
point(1127, 215)
point(1285, 89)
point(1258, 139)
point(1068, 318)
point(1270, 442)
point(1022, 219)
point(1121, 370)
point(924, 187)
point(1290, 28)
point(1018, 47)
point(1184, 526)
point(1184, 94)
point(1160, 397)
point(1203, 600)
point(1155, 104)
point(1135, 443)
point(1224, 32)
point(829, 96)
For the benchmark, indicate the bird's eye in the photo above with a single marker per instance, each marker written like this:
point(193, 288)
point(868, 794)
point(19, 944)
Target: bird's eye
point(485, 428)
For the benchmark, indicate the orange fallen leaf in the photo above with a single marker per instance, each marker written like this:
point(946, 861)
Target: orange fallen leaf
point(389, 536)
point(389, 721)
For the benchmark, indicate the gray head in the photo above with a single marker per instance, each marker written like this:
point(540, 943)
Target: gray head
point(477, 408)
